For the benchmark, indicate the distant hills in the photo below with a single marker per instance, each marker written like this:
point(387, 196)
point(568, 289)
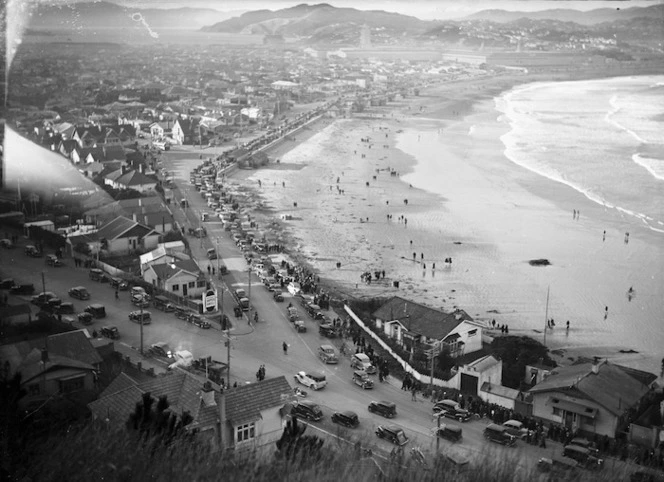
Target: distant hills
point(109, 15)
point(590, 17)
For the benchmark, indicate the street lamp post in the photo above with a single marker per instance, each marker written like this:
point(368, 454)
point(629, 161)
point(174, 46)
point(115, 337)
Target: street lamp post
point(249, 293)
point(218, 258)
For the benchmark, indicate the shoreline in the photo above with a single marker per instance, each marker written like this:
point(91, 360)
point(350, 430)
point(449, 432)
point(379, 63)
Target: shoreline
point(314, 241)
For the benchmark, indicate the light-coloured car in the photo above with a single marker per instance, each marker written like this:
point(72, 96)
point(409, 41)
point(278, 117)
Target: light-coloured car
point(328, 354)
point(313, 380)
point(360, 361)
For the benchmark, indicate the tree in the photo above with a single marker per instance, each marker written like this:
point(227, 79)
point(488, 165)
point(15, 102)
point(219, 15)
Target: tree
point(156, 423)
point(83, 248)
point(295, 446)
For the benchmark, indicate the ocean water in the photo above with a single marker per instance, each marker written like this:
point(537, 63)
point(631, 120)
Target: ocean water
point(604, 138)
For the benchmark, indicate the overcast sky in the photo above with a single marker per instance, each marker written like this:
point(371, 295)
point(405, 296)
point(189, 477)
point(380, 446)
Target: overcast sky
point(424, 9)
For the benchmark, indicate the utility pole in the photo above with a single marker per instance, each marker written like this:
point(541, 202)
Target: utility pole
point(249, 293)
point(546, 316)
point(218, 258)
point(43, 283)
point(141, 318)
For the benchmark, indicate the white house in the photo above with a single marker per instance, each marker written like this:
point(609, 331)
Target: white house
point(119, 236)
point(414, 325)
point(181, 277)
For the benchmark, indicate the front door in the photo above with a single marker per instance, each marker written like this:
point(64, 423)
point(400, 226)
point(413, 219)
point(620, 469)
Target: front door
point(184, 289)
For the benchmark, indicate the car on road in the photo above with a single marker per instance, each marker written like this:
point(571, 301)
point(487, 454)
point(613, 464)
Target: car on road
point(328, 354)
point(449, 432)
point(294, 288)
point(308, 410)
point(393, 434)
point(143, 317)
point(161, 349)
point(278, 296)
point(313, 380)
point(361, 378)
point(516, 428)
point(162, 303)
point(384, 408)
point(33, 252)
point(110, 332)
point(586, 444)
point(53, 260)
point(211, 254)
point(95, 274)
point(96, 310)
point(119, 284)
point(6, 243)
point(499, 434)
point(327, 330)
point(7, 284)
point(140, 301)
point(65, 308)
point(240, 293)
point(79, 292)
point(85, 318)
point(583, 456)
point(138, 291)
point(347, 419)
point(300, 326)
point(199, 321)
point(43, 298)
point(22, 289)
point(360, 361)
point(451, 409)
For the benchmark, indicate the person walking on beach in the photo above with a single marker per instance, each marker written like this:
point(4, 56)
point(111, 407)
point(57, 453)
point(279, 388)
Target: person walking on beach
point(604, 236)
point(606, 312)
point(285, 347)
point(574, 214)
point(626, 238)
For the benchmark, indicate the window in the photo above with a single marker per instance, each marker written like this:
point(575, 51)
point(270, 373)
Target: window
point(556, 411)
point(72, 385)
point(245, 432)
point(472, 332)
point(200, 284)
point(192, 284)
point(175, 288)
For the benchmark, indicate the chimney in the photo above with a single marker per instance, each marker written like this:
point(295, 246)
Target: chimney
point(124, 169)
point(595, 365)
point(44, 356)
point(141, 168)
point(207, 395)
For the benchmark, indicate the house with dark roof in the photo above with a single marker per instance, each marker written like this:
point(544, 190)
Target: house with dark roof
point(151, 211)
point(414, 325)
point(60, 364)
point(242, 419)
point(182, 277)
point(124, 178)
point(119, 236)
point(592, 397)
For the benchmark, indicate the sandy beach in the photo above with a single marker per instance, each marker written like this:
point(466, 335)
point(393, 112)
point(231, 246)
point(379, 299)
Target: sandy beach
point(442, 152)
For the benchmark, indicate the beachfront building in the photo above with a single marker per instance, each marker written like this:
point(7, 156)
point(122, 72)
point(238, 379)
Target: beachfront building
point(413, 325)
point(120, 236)
point(591, 397)
point(181, 277)
point(243, 420)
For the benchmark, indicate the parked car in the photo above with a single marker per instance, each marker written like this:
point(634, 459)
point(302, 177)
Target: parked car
point(138, 291)
point(79, 292)
point(96, 274)
point(211, 254)
point(384, 408)
point(451, 409)
point(583, 456)
point(361, 378)
point(42, 298)
point(96, 310)
point(32, 251)
point(85, 318)
point(198, 321)
point(558, 466)
point(392, 433)
point(516, 428)
point(327, 330)
point(278, 296)
point(348, 419)
point(313, 380)
point(181, 312)
point(22, 289)
point(51, 305)
point(328, 354)
point(7, 284)
point(142, 317)
point(53, 260)
point(110, 332)
point(499, 434)
point(119, 284)
point(300, 327)
point(360, 361)
point(6, 243)
point(66, 308)
point(140, 301)
point(586, 444)
point(449, 432)
point(240, 293)
point(162, 303)
point(161, 349)
point(308, 410)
